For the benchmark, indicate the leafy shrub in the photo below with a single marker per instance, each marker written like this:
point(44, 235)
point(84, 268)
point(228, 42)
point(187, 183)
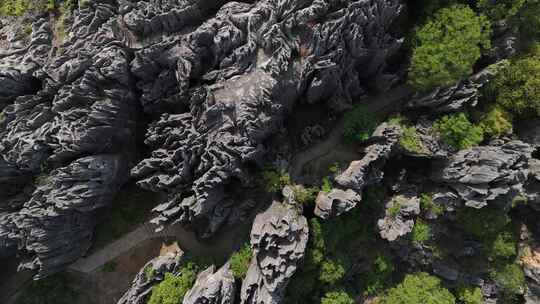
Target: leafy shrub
point(334, 168)
point(337, 297)
point(457, 131)
point(517, 86)
point(496, 122)
point(359, 124)
point(378, 278)
point(240, 261)
point(273, 180)
point(410, 140)
point(510, 278)
point(427, 204)
point(448, 46)
point(326, 184)
point(421, 232)
point(470, 296)
point(173, 288)
point(20, 7)
point(419, 288)
point(331, 272)
point(504, 247)
point(500, 9)
point(305, 195)
point(53, 289)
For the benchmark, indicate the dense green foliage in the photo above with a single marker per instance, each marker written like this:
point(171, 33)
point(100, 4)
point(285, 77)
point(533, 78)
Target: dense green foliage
point(240, 261)
point(421, 232)
point(359, 124)
point(496, 122)
point(485, 223)
point(470, 296)
point(503, 248)
point(173, 288)
point(517, 86)
point(457, 131)
point(337, 297)
point(50, 290)
point(304, 195)
point(19, 7)
point(510, 278)
point(273, 180)
point(419, 288)
point(410, 140)
point(448, 46)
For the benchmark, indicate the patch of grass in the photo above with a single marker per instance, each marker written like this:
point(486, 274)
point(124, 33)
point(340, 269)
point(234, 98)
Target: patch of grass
point(240, 261)
point(410, 141)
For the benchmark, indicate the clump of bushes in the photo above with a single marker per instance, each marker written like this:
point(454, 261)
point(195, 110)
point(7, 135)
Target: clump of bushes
point(394, 210)
point(419, 288)
point(457, 131)
point(516, 87)
point(305, 195)
point(496, 122)
point(326, 184)
point(448, 46)
point(359, 124)
point(173, 288)
point(240, 261)
point(511, 279)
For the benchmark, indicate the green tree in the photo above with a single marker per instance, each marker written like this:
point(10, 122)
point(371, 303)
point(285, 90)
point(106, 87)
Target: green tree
point(273, 180)
point(380, 275)
point(331, 272)
point(359, 124)
point(337, 297)
point(457, 131)
point(240, 261)
point(173, 288)
point(448, 46)
point(419, 288)
point(518, 86)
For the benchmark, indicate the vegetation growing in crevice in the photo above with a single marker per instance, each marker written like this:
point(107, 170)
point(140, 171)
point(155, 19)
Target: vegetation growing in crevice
point(240, 261)
point(458, 132)
point(273, 180)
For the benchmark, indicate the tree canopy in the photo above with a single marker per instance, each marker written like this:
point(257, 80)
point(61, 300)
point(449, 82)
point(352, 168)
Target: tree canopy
point(447, 47)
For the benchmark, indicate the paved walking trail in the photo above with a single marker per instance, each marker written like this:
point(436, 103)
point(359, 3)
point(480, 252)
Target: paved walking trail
point(378, 104)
